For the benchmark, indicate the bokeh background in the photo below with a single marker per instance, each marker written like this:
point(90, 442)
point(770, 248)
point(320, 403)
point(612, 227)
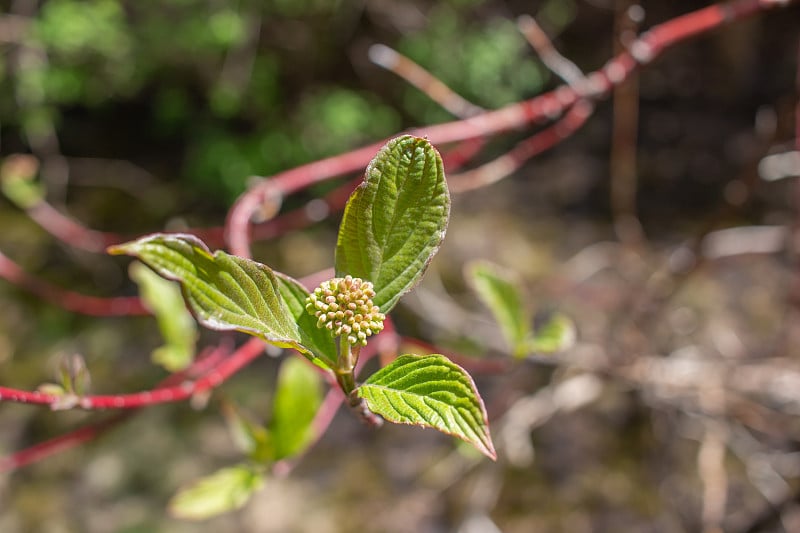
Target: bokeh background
point(676, 409)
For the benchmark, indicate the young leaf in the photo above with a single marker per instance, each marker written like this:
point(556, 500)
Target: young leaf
point(74, 374)
point(432, 391)
point(319, 341)
point(395, 220)
point(225, 490)
point(297, 398)
point(224, 292)
point(251, 438)
point(501, 293)
point(163, 298)
point(557, 333)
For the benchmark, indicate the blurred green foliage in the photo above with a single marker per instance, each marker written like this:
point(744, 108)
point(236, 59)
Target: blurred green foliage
point(209, 76)
point(246, 88)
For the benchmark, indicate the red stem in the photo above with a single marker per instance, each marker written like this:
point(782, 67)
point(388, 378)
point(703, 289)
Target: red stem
point(544, 107)
point(69, 230)
point(73, 233)
point(541, 108)
point(70, 300)
point(58, 444)
point(302, 217)
point(461, 154)
point(509, 162)
point(84, 434)
point(213, 378)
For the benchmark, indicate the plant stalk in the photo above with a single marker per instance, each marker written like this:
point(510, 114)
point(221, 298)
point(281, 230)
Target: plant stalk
point(345, 366)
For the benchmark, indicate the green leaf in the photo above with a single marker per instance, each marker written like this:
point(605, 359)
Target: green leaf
point(430, 391)
point(556, 334)
point(395, 220)
point(163, 298)
point(225, 490)
point(224, 292)
point(500, 291)
point(74, 374)
point(319, 341)
point(249, 437)
point(297, 398)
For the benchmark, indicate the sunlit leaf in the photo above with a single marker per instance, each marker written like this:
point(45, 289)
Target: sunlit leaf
point(225, 292)
point(430, 391)
point(225, 490)
point(297, 398)
point(395, 220)
point(163, 298)
point(502, 294)
point(319, 341)
point(556, 334)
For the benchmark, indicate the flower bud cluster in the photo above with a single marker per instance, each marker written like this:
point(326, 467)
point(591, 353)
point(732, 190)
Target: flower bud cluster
point(344, 307)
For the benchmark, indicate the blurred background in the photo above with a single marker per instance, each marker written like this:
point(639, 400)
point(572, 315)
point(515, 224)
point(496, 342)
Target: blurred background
point(660, 228)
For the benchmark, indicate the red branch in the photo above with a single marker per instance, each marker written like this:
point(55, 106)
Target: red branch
point(59, 444)
point(511, 161)
point(75, 234)
point(37, 452)
point(186, 389)
point(313, 211)
point(542, 108)
point(70, 300)
point(69, 230)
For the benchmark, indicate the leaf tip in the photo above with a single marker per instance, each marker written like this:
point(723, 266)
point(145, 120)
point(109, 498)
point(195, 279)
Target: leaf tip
point(490, 452)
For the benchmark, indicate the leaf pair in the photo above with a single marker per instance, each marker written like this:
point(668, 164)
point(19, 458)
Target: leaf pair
point(501, 292)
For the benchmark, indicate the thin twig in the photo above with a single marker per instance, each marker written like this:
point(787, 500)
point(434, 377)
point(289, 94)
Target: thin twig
point(186, 389)
point(43, 450)
point(557, 63)
point(623, 168)
point(544, 107)
point(415, 75)
point(70, 300)
point(506, 164)
point(711, 455)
